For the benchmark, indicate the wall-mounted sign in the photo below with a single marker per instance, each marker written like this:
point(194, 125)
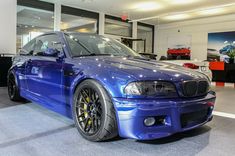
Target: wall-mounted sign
point(220, 45)
point(179, 47)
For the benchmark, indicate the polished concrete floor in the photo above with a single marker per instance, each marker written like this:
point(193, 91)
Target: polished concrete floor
point(27, 129)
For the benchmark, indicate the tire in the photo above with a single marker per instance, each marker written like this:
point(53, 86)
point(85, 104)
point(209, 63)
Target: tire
point(13, 90)
point(93, 107)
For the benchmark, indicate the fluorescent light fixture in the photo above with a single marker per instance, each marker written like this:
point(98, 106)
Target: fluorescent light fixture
point(204, 11)
point(176, 17)
point(147, 6)
point(83, 30)
point(64, 25)
point(180, 2)
point(211, 11)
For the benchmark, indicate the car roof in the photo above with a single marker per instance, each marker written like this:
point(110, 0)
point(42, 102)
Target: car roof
point(69, 33)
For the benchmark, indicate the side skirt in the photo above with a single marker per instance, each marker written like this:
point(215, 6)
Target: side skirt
point(63, 109)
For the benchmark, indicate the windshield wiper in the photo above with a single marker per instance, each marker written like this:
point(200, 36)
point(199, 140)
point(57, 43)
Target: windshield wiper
point(93, 54)
point(138, 57)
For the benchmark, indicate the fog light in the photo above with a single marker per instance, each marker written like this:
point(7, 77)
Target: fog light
point(149, 121)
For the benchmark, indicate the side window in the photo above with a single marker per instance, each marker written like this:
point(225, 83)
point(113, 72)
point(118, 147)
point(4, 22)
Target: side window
point(28, 48)
point(48, 45)
point(76, 48)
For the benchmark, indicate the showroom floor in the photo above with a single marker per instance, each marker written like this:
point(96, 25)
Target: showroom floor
point(30, 130)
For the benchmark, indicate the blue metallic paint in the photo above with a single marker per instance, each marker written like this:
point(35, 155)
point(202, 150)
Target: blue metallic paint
point(51, 82)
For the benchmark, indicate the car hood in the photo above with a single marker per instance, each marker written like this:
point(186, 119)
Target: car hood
point(140, 69)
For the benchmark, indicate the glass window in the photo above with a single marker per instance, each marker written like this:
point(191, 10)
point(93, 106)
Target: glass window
point(77, 20)
point(32, 22)
point(46, 44)
point(73, 23)
point(146, 34)
point(75, 47)
point(28, 48)
point(93, 45)
point(115, 27)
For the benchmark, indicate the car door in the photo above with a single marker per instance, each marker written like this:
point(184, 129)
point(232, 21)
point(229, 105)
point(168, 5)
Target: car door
point(44, 72)
point(21, 62)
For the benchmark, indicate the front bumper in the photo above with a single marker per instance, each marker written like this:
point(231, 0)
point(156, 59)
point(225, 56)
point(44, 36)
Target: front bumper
point(179, 115)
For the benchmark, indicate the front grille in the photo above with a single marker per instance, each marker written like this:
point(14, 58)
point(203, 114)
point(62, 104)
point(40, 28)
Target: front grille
point(193, 118)
point(202, 87)
point(195, 88)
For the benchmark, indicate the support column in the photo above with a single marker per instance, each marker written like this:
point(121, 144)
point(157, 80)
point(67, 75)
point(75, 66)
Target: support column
point(57, 16)
point(8, 16)
point(155, 40)
point(101, 23)
point(134, 34)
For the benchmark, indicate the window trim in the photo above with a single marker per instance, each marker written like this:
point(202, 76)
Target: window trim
point(36, 4)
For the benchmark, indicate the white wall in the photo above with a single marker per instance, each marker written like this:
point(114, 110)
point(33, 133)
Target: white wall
point(198, 29)
point(7, 26)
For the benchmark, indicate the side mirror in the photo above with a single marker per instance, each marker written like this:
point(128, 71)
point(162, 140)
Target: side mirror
point(51, 52)
point(55, 51)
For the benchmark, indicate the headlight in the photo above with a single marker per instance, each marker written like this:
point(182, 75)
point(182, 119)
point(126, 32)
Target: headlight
point(151, 88)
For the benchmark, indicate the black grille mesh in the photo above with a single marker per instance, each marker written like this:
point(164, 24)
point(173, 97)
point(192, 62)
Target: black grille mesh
point(195, 88)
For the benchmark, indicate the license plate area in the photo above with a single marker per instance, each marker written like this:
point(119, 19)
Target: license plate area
point(193, 118)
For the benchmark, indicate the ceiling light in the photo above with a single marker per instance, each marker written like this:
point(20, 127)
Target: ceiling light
point(203, 11)
point(87, 1)
point(179, 2)
point(147, 6)
point(177, 17)
point(64, 25)
point(83, 30)
point(211, 11)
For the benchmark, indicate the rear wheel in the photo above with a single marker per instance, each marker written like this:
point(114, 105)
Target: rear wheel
point(13, 90)
point(93, 112)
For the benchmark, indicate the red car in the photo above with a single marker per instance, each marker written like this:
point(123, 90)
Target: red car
point(179, 50)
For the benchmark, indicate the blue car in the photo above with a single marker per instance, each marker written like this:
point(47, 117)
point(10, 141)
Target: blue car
point(108, 89)
point(225, 50)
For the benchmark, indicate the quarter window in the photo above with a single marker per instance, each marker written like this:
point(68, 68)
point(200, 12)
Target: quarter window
point(46, 43)
point(28, 48)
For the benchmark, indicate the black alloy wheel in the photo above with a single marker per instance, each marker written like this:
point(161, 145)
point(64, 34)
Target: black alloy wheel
point(13, 90)
point(93, 112)
point(89, 111)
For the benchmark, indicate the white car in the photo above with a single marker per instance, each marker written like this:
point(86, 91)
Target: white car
point(200, 66)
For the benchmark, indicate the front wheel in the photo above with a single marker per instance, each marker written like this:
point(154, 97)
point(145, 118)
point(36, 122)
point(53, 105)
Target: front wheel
point(93, 112)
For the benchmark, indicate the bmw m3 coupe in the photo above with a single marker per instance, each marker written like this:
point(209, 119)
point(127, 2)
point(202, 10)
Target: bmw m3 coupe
point(108, 89)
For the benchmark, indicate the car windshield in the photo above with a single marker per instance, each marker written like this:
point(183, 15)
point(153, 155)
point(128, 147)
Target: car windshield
point(93, 45)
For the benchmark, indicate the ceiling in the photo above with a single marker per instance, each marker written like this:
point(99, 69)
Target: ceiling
point(161, 11)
